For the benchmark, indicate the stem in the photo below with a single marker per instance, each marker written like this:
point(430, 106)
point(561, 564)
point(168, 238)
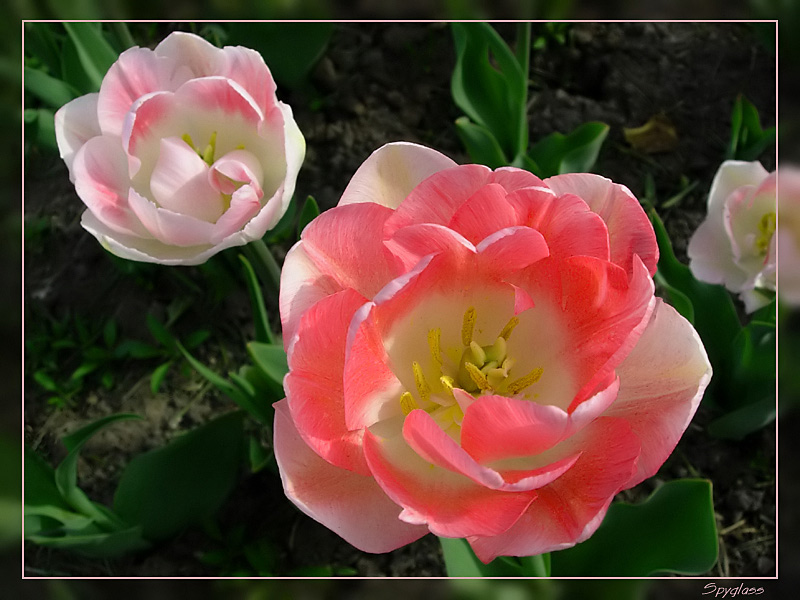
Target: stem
point(264, 263)
point(536, 566)
point(523, 52)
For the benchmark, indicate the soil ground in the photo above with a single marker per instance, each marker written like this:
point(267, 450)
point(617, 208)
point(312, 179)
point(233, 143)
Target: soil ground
point(378, 83)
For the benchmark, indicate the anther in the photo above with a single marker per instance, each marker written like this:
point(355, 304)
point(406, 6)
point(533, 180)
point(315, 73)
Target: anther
point(512, 323)
point(434, 343)
point(520, 384)
point(468, 326)
point(407, 403)
point(448, 383)
point(188, 139)
point(208, 153)
point(422, 386)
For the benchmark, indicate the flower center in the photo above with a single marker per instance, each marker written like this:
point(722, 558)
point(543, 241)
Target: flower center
point(766, 229)
point(207, 154)
point(472, 367)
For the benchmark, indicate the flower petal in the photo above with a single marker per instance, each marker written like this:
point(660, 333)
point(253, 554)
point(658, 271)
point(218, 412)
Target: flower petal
point(392, 172)
point(171, 228)
point(315, 387)
point(484, 213)
point(351, 505)
point(662, 383)
point(629, 229)
point(566, 511)
point(76, 123)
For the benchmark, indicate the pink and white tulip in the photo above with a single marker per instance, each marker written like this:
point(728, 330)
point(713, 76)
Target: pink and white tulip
point(788, 234)
point(735, 244)
point(184, 152)
point(477, 354)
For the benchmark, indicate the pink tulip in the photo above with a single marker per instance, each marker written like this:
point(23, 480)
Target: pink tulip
point(735, 244)
point(477, 354)
point(787, 234)
point(184, 152)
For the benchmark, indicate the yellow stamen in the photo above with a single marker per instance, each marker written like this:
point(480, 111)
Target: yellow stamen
point(407, 403)
point(497, 351)
point(188, 139)
point(208, 153)
point(478, 377)
point(512, 323)
point(469, 325)
point(434, 343)
point(448, 383)
point(520, 384)
point(766, 228)
point(422, 386)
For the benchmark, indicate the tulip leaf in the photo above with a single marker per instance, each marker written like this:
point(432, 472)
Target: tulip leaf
point(66, 474)
point(260, 317)
point(270, 359)
point(575, 152)
point(481, 145)
point(490, 86)
point(94, 542)
point(308, 213)
point(186, 481)
point(95, 53)
point(740, 422)
point(748, 139)
point(460, 561)
point(673, 531)
point(157, 378)
point(53, 92)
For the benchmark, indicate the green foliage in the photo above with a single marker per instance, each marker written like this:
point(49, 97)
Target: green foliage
point(743, 358)
point(309, 212)
point(460, 561)
point(748, 139)
point(673, 531)
point(490, 84)
point(183, 483)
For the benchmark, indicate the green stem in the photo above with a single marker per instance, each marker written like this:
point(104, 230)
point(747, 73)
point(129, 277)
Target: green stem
point(523, 52)
point(536, 566)
point(264, 263)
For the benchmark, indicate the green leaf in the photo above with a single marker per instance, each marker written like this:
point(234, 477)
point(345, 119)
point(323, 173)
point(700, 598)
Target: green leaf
point(575, 152)
point(53, 92)
point(110, 333)
point(285, 227)
point(260, 317)
point(481, 145)
point(748, 139)
point(308, 213)
point(159, 332)
point(265, 392)
point(169, 489)
point(742, 421)
point(259, 456)
point(66, 475)
point(290, 49)
point(460, 561)
point(95, 53)
point(218, 381)
point(489, 85)
point(673, 531)
point(270, 359)
point(157, 378)
point(96, 543)
point(47, 382)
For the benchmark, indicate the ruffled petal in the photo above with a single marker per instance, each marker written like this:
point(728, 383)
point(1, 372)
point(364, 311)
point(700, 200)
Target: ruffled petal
point(315, 386)
point(629, 229)
point(76, 123)
point(484, 213)
point(171, 228)
point(662, 383)
point(392, 172)
point(351, 505)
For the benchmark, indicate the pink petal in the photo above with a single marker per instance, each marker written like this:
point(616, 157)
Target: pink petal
point(566, 222)
point(451, 504)
point(566, 510)
point(496, 427)
point(346, 243)
point(235, 168)
point(245, 204)
point(484, 213)
point(101, 180)
point(731, 175)
point(180, 183)
point(513, 179)
point(303, 284)
point(410, 244)
point(392, 172)
point(315, 387)
point(371, 389)
point(76, 123)
point(662, 383)
point(629, 229)
point(511, 249)
point(137, 73)
point(169, 227)
point(349, 504)
point(438, 197)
